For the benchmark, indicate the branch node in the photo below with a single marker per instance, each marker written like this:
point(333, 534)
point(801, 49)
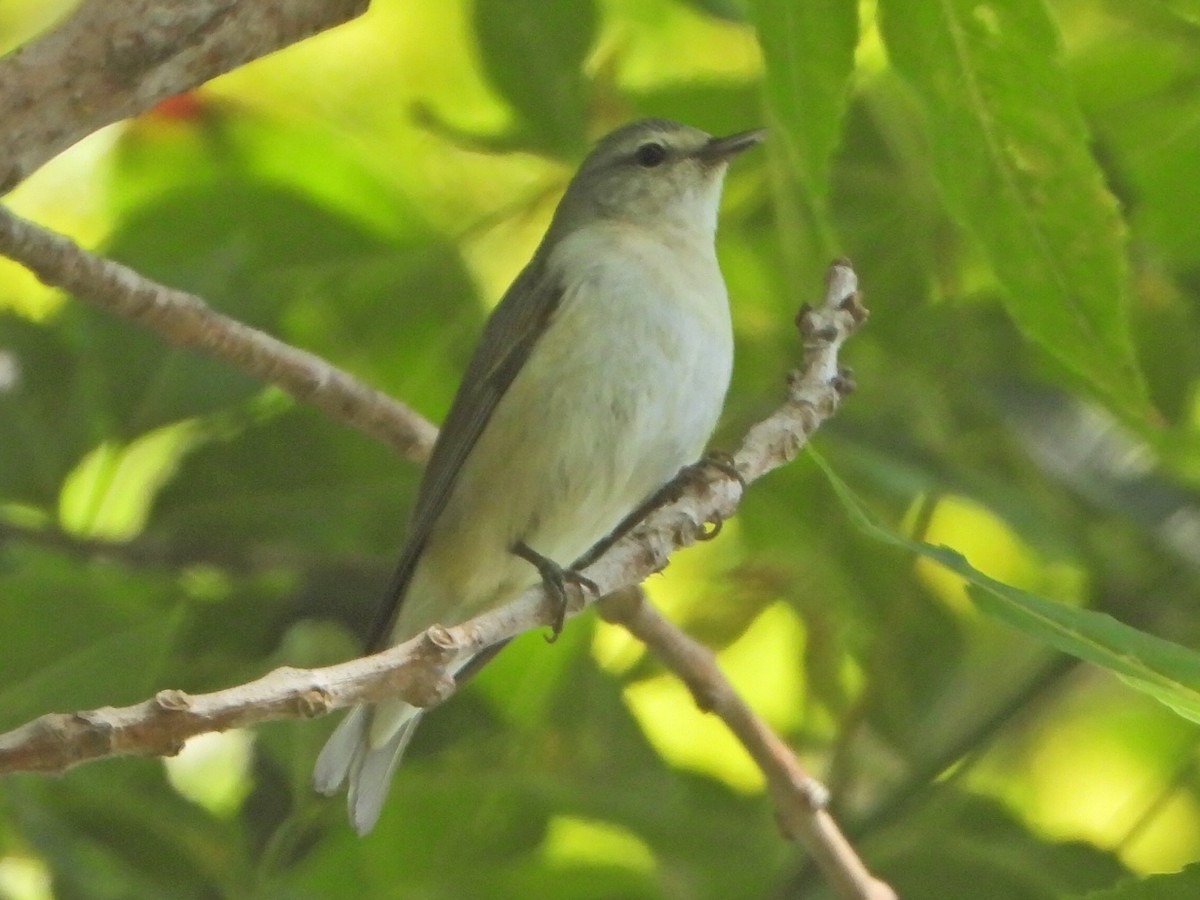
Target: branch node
point(430, 689)
point(621, 607)
point(707, 697)
point(313, 702)
point(440, 638)
point(844, 382)
point(825, 334)
point(92, 718)
point(853, 306)
point(686, 531)
point(173, 700)
point(815, 794)
point(806, 321)
point(803, 314)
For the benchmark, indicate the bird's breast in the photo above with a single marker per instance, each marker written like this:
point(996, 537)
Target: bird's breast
point(621, 390)
point(642, 349)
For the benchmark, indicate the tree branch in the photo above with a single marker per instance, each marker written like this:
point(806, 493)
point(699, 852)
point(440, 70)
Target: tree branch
point(800, 800)
point(416, 670)
point(813, 395)
point(185, 320)
point(114, 58)
point(111, 59)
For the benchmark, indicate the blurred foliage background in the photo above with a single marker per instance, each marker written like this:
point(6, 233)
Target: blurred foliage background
point(1017, 183)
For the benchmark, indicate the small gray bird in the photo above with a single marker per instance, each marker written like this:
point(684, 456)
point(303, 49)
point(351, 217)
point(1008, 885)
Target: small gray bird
point(599, 375)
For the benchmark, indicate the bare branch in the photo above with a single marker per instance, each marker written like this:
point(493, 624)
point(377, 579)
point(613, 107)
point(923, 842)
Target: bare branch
point(159, 726)
point(155, 727)
point(416, 670)
point(114, 58)
point(800, 800)
point(111, 59)
point(185, 320)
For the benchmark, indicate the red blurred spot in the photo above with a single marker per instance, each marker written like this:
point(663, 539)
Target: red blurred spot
point(180, 107)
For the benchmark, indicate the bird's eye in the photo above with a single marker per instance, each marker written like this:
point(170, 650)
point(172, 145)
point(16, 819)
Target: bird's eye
point(650, 155)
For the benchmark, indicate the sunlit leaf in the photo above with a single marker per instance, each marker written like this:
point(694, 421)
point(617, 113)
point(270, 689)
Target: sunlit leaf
point(1012, 160)
point(1165, 670)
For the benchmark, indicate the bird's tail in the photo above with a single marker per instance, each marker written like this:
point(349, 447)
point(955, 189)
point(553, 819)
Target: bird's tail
point(366, 748)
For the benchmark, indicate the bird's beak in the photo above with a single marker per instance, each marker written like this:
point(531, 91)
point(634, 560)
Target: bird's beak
point(722, 149)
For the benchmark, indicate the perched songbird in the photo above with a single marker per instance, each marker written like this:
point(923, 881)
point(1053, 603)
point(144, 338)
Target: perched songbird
point(599, 375)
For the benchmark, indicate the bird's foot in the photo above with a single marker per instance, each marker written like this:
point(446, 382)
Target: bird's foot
point(700, 471)
point(723, 462)
point(555, 579)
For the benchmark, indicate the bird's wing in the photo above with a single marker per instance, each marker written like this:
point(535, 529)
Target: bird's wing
point(513, 328)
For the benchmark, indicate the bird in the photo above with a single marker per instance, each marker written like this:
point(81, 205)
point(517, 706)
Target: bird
point(600, 374)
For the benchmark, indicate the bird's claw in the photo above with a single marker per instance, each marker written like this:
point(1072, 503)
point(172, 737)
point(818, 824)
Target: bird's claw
point(710, 529)
point(723, 462)
point(555, 579)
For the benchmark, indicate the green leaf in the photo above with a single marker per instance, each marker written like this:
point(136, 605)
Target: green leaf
point(1011, 157)
point(119, 831)
point(336, 492)
point(233, 144)
point(290, 228)
point(964, 845)
point(1149, 130)
point(1166, 671)
point(1188, 10)
point(730, 10)
point(533, 54)
point(719, 107)
point(45, 417)
point(1182, 885)
point(809, 53)
point(78, 636)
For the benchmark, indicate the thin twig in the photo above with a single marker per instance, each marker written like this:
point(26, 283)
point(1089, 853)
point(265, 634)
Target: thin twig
point(185, 320)
point(800, 800)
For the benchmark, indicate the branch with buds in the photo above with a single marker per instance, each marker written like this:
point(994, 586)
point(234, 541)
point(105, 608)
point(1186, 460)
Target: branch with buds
point(110, 59)
point(416, 670)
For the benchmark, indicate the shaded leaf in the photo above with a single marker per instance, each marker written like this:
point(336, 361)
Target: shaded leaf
point(967, 845)
point(1182, 885)
point(104, 831)
point(533, 54)
point(1188, 10)
point(809, 53)
point(731, 10)
point(47, 419)
point(78, 635)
